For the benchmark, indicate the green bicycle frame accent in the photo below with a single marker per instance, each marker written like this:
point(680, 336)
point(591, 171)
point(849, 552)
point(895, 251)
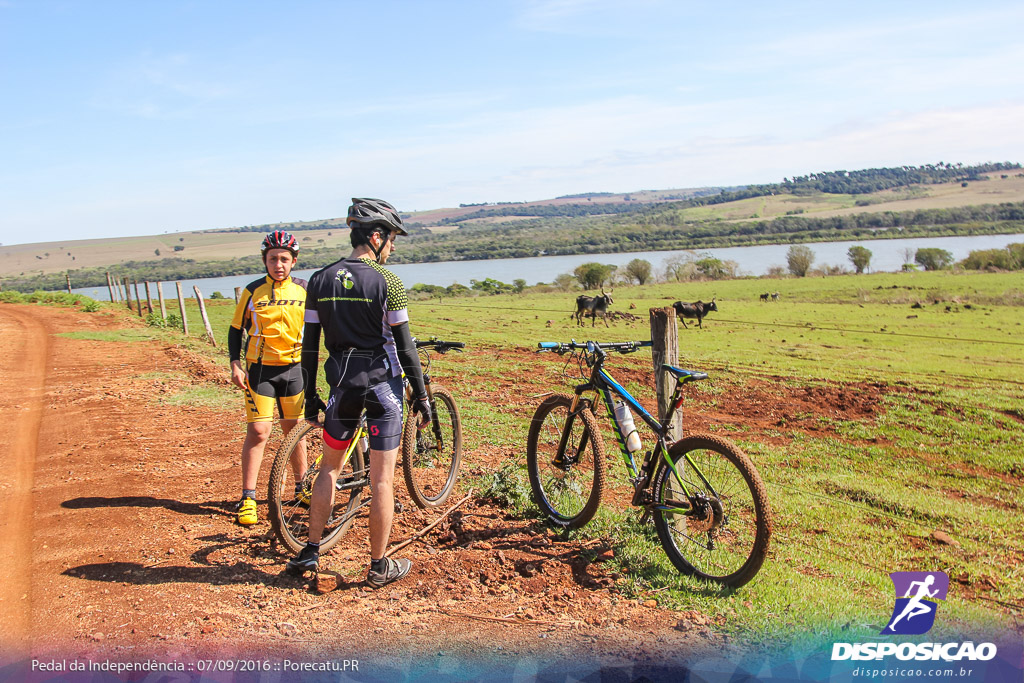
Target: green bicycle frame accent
point(608, 389)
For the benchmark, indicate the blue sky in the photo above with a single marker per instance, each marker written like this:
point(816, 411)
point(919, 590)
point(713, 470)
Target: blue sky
point(127, 118)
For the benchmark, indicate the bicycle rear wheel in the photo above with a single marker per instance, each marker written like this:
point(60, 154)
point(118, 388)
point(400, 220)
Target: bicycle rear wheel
point(431, 456)
point(289, 506)
point(565, 461)
point(722, 533)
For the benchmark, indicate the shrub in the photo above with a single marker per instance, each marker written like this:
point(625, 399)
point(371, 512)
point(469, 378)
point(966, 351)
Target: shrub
point(860, 257)
point(799, 259)
point(639, 269)
point(1010, 258)
point(507, 487)
point(933, 259)
point(593, 275)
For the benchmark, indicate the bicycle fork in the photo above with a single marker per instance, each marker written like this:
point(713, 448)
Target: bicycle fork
point(560, 460)
point(435, 422)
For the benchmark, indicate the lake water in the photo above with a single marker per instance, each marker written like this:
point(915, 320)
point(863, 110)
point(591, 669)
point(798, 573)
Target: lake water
point(887, 255)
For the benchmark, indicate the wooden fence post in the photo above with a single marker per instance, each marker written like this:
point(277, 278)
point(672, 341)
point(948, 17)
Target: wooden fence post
point(665, 350)
point(110, 288)
point(160, 297)
point(238, 294)
point(181, 308)
point(202, 312)
point(68, 278)
point(138, 299)
point(127, 294)
point(149, 298)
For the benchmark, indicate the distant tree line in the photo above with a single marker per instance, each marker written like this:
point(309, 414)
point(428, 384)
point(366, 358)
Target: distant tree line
point(862, 181)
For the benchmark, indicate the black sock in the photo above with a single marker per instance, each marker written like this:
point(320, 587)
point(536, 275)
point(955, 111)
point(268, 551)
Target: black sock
point(249, 493)
point(313, 546)
point(378, 565)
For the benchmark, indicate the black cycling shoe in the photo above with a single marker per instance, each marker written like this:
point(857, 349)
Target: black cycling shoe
point(306, 561)
point(393, 571)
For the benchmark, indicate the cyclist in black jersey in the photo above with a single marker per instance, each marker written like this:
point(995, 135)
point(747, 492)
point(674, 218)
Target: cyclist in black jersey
point(360, 307)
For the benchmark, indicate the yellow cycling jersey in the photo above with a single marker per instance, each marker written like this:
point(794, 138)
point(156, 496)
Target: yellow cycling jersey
point(272, 312)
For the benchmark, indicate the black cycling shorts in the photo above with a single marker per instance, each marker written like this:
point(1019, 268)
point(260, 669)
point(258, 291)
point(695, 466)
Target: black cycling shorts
point(383, 405)
point(270, 384)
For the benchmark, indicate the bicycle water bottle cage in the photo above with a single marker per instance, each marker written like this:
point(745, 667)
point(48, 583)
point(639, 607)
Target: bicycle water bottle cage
point(684, 376)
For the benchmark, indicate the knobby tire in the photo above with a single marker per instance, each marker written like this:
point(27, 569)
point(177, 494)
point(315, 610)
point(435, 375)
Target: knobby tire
point(567, 482)
point(289, 517)
point(741, 541)
point(430, 468)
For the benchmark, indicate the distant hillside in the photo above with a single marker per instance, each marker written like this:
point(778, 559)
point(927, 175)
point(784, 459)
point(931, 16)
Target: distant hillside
point(981, 199)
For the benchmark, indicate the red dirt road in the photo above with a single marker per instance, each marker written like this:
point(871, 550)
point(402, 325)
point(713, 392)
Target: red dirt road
point(24, 372)
point(118, 541)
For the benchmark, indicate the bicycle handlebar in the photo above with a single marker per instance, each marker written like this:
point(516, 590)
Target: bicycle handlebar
point(440, 346)
point(592, 346)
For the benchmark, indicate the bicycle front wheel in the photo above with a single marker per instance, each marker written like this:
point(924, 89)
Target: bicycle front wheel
point(431, 456)
point(565, 461)
point(722, 530)
point(289, 504)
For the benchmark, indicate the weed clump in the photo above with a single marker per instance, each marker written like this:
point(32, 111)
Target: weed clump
point(172, 321)
point(508, 487)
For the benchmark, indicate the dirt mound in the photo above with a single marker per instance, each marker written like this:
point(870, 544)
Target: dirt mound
point(199, 368)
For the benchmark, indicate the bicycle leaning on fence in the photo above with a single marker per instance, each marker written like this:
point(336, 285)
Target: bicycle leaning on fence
point(709, 505)
point(430, 462)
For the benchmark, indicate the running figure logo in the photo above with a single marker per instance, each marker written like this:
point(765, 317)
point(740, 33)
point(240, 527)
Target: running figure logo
point(914, 612)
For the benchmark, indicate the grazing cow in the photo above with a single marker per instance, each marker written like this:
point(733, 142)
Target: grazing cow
point(775, 296)
point(698, 309)
point(764, 297)
point(592, 305)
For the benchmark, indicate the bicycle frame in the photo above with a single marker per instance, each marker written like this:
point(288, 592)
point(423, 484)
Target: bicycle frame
point(608, 389)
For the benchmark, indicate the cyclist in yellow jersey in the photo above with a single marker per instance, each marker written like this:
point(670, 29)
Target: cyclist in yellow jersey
point(270, 310)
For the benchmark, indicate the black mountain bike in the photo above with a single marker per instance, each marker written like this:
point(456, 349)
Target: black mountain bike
point(431, 456)
point(709, 505)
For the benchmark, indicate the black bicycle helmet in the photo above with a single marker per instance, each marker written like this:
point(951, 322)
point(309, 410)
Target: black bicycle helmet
point(279, 239)
point(373, 213)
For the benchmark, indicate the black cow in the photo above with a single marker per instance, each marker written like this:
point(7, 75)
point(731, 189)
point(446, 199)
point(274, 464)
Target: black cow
point(698, 309)
point(592, 305)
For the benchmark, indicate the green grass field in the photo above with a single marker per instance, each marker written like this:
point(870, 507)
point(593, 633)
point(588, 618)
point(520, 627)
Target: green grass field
point(854, 498)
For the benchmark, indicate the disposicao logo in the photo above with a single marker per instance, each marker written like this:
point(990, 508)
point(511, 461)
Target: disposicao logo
point(914, 612)
point(917, 594)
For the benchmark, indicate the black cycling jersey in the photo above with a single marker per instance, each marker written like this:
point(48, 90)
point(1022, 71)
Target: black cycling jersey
point(356, 301)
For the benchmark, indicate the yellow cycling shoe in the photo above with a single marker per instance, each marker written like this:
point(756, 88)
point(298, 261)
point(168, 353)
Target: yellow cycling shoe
point(247, 512)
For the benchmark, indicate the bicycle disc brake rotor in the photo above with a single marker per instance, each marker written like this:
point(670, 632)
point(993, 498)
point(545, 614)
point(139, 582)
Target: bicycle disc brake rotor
point(706, 516)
